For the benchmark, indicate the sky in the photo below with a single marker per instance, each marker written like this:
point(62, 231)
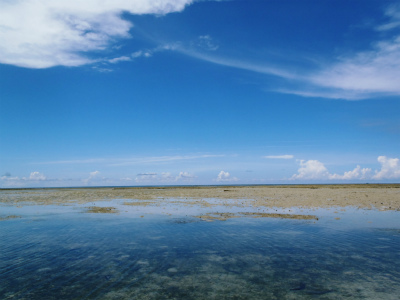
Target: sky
point(185, 92)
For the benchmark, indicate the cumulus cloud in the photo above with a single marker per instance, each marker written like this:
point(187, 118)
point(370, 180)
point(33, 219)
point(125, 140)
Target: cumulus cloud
point(357, 173)
point(33, 176)
point(314, 169)
point(47, 33)
point(390, 168)
point(92, 175)
point(185, 176)
point(225, 176)
point(311, 169)
point(286, 156)
point(36, 176)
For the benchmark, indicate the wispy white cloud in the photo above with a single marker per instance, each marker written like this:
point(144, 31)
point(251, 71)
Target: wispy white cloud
point(166, 177)
point(119, 59)
point(10, 178)
point(147, 174)
point(225, 177)
point(146, 53)
point(205, 42)
point(142, 53)
point(46, 33)
point(146, 177)
point(316, 170)
point(160, 159)
point(365, 74)
point(392, 12)
point(204, 47)
point(239, 63)
point(126, 179)
point(73, 161)
point(132, 160)
point(185, 176)
point(328, 93)
point(163, 178)
point(285, 156)
point(92, 176)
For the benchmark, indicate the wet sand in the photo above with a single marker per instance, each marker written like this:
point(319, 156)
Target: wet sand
point(214, 202)
point(366, 196)
point(101, 210)
point(226, 216)
point(9, 217)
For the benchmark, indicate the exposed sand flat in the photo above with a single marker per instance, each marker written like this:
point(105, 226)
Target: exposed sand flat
point(379, 196)
point(226, 216)
point(101, 210)
point(9, 217)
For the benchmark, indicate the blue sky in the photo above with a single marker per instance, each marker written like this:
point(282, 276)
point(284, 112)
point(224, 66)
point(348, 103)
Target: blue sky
point(198, 92)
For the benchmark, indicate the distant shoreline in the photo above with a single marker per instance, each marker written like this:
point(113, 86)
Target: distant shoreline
point(288, 185)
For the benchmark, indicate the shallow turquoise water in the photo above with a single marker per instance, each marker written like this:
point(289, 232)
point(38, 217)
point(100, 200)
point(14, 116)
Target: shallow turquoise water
point(67, 254)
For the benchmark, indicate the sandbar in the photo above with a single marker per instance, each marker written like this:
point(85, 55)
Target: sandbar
point(381, 197)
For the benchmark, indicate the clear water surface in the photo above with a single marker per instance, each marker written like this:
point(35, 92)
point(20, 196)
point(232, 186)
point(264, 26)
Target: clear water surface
point(61, 252)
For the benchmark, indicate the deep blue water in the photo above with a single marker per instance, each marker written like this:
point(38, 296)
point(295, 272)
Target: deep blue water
point(74, 255)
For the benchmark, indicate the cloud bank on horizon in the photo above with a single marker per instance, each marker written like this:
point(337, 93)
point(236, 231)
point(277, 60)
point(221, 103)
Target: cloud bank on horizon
point(310, 170)
point(316, 170)
point(43, 34)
